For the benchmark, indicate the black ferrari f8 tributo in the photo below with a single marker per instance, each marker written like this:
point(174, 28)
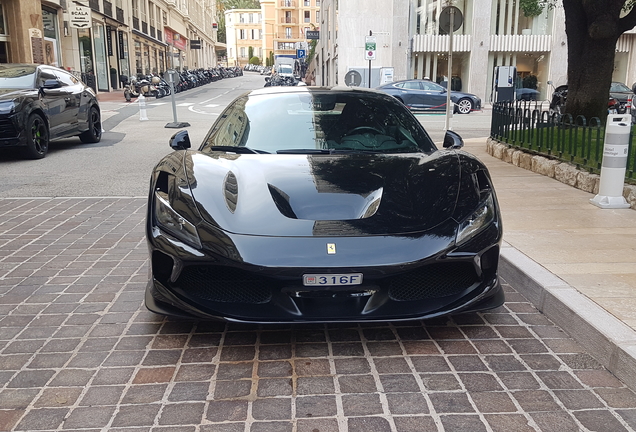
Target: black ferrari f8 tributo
point(314, 204)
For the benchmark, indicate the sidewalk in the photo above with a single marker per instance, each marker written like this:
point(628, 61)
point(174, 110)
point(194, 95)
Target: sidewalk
point(113, 96)
point(574, 261)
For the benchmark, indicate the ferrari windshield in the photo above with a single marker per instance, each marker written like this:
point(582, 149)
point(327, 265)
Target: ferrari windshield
point(17, 76)
point(318, 121)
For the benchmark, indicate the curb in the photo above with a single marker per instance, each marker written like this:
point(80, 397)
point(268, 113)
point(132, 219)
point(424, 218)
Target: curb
point(561, 171)
point(611, 342)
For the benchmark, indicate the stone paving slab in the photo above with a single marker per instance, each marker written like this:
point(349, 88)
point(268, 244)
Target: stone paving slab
point(79, 352)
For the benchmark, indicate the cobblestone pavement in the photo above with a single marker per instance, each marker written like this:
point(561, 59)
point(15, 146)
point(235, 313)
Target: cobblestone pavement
point(79, 352)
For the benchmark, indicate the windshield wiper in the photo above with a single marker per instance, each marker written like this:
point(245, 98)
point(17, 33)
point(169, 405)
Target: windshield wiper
point(236, 149)
point(304, 151)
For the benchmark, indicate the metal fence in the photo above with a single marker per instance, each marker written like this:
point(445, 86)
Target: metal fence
point(530, 125)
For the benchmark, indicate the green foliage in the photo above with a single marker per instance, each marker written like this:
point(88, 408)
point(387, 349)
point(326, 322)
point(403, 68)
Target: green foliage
point(250, 52)
point(255, 60)
point(239, 4)
point(312, 50)
point(531, 8)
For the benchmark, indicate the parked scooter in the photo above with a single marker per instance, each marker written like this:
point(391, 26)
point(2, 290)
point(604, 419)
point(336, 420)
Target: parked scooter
point(145, 86)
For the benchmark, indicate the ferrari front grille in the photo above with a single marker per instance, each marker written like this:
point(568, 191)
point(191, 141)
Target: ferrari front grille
point(433, 281)
point(224, 284)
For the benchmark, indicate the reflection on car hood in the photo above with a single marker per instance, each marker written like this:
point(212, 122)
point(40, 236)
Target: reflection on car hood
point(7, 94)
point(324, 195)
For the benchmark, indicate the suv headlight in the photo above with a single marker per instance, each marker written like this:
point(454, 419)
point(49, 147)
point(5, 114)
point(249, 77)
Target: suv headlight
point(173, 223)
point(477, 221)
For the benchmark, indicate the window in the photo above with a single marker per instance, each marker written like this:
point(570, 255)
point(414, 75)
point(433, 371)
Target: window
point(317, 16)
point(317, 3)
point(135, 8)
point(254, 34)
point(242, 34)
point(307, 16)
point(286, 45)
point(242, 18)
point(307, 3)
point(288, 32)
point(242, 51)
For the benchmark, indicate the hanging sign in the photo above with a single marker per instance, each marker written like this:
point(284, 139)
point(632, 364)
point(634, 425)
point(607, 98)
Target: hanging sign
point(80, 16)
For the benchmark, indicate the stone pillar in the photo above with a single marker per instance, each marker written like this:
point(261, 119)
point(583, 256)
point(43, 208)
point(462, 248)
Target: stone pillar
point(24, 22)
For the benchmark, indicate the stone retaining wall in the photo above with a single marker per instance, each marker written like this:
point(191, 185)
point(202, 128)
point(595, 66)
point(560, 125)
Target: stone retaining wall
point(561, 171)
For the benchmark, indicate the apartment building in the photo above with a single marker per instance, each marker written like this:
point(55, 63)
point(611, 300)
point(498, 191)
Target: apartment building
point(101, 40)
point(492, 33)
point(244, 35)
point(285, 25)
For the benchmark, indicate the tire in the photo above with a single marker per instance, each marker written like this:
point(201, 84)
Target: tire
point(37, 134)
point(94, 132)
point(464, 106)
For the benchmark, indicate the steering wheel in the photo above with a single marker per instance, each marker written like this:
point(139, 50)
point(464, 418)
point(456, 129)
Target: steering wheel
point(362, 128)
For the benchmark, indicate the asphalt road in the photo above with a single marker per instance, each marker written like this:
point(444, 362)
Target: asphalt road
point(120, 165)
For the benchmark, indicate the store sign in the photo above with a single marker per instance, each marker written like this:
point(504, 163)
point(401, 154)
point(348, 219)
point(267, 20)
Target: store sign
point(80, 16)
point(312, 34)
point(175, 39)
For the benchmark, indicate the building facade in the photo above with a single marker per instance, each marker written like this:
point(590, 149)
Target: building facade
point(244, 35)
point(103, 40)
point(285, 25)
point(411, 41)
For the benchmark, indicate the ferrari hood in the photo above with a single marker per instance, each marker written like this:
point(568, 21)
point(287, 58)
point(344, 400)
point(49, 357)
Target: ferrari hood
point(324, 195)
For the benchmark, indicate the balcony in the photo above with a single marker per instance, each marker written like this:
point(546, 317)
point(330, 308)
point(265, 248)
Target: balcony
point(289, 20)
point(288, 4)
point(120, 14)
point(136, 23)
point(108, 8)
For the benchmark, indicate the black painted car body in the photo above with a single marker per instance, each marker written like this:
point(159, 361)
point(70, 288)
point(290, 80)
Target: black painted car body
point(40, 103)
point(425, 95)
point(310, 204)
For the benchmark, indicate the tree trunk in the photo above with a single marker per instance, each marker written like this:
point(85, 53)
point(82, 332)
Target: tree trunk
point(592, 36)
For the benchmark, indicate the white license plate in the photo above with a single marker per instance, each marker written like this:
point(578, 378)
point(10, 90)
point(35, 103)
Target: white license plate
point(332, 279)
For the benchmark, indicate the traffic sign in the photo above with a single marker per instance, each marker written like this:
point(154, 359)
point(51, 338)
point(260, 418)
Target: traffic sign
point(353, 78)
point(369, 48)
point(301, 53)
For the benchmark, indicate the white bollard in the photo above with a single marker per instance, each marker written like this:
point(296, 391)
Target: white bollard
point(615, 146)
point(142, 108)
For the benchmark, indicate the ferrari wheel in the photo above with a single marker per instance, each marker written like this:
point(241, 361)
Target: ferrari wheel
point(94, 132)
point(464, 106)
point(37, 134)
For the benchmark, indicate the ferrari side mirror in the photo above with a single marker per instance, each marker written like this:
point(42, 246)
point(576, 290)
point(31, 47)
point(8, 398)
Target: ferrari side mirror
point(452, 140)
point(180, 141)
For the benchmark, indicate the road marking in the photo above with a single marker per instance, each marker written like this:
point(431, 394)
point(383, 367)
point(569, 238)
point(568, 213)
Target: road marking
point(185, 104)
point(194, 110)
point(211, 106)
point(159, 103)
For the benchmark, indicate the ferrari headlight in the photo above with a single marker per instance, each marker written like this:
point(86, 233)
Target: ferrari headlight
point(480, 219)
point(172, 222)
